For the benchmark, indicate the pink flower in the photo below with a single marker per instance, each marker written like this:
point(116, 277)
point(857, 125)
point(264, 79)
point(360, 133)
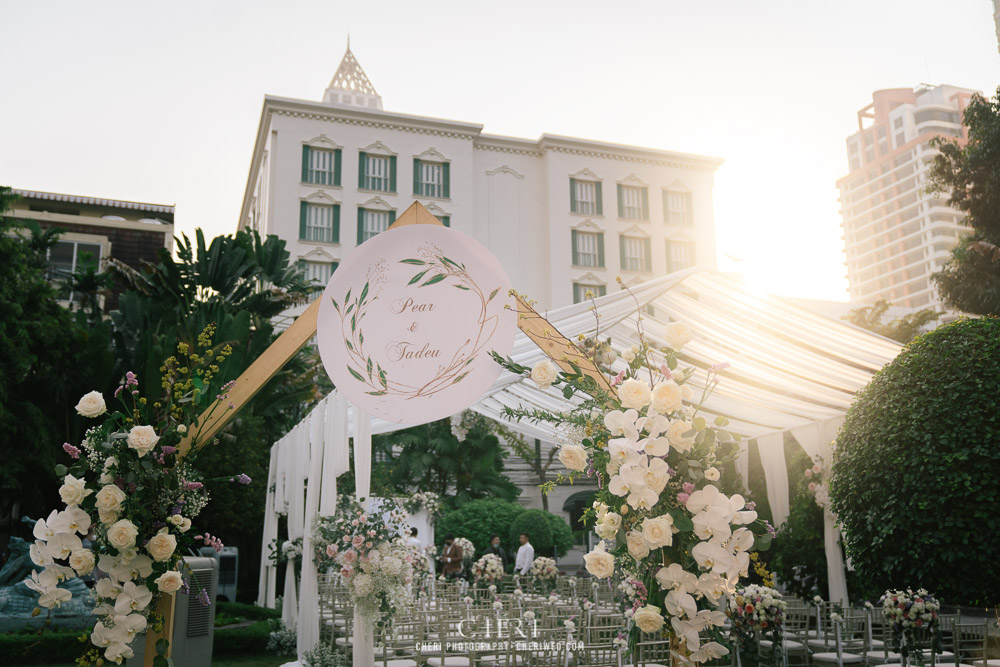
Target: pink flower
point(371, 533)
point(74, 452)
point(812, 486)
point(688, 487)
point(665, 370)
point(331, 550)
point(364, 517)
point(368, 545)
point(357, 541)
point(617, 380)
point(354, 523)
point(808, 473)
point(682, 498)
point(346, 572)
point(350, 556)
point(347, 538)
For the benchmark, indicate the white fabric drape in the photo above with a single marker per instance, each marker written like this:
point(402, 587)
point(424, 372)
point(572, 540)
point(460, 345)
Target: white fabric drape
point(265, 583)
point(336, 451)
point(743, 465)
point(298, 462)
point(364, 638)
point(308, 626)
point(772, 457)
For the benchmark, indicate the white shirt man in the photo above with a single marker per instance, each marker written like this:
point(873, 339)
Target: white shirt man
point(525, 556)
point(413, 540)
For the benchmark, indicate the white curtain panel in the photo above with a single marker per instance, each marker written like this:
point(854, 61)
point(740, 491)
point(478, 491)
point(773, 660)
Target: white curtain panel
point(309, 620)
point(265, 582)
point(772, 457)
point(364, 637)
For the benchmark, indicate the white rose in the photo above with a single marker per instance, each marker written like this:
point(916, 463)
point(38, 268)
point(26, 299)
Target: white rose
point(712, 474)
point(175, 519)
point(677, 335)
point(658, 532)
point(109, 498)
point(628, 356)
point(142, 439)
point(162, 545)
point(544, 373)
point(648, 618)
point(185, 525)
point(666, 397)
point(634, 394)
point(122, 534)
point(82, 560)
point(107, 517)
point(637, 547)
point(73, 490)
point(92, 405)
point(573, 457)
point(676, 436)
point(599, 562)
point(170, 581)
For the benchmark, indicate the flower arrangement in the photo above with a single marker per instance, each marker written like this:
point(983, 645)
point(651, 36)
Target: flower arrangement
point(817, 485)
point(756, 609)
point(373, 560)
point(657, 459)
point(282, 552)
point(132, 486)
point(912, 616)
point(428, 500)
point(544, 569)
point(487, 569)
point(468, 549)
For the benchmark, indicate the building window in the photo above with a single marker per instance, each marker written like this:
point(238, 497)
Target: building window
point(585, 197)
point(66, 258)
point(431, 179)
point(580, 291)
point(677, 207)
point(320, 166)
point(319, 223)
point(372, 222)
point(635, 253)
point(680, 255)
point(588, 249)
point(445, 220)
point(633, 203)
point(318, 273)
point(377, 172)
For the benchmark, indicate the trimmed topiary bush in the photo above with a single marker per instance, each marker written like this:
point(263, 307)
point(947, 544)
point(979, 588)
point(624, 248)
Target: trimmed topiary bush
point(562, 534)
point(536, 524)
point(916, 474)
point(477, 520)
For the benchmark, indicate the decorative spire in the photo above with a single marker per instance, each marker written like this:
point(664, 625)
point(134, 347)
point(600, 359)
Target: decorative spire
point(350, 85)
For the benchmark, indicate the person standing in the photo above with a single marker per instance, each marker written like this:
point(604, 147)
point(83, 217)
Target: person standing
point(498, 551)
point(413, 540)
point(525, 556)
point(451, 557)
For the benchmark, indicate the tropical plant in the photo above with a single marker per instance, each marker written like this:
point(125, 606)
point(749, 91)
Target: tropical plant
point(970, 175)
point(914, 481)
point(903, 329)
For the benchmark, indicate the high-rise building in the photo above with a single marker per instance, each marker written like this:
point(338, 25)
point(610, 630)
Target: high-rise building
point(896, 234)
point(563, 215)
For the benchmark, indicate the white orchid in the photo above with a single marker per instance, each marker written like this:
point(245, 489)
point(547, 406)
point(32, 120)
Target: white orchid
point(61, 545)
point(108, 587)
point(43, 529)
point(680, 603)
point(71, 520)
point(40, 554)
point(712, 523)
point(622, 423)
point(132, 598)
point(676, 577)
point(709, 651)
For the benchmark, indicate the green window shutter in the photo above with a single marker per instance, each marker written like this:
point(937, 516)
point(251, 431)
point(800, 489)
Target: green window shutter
point(303, 211)
point(599, 189)
point(333, 267)
point(361, 224)
point(392, 216)
point(336, 166)
point(446, 180)
point(600, 250)
point(573, 240)
point(645, 203)
point(446, 220)
point(647, 252)
point(305, 164)
point(602, 290)
point(572, 197)
point(621, 251)
point(362, 158)
point(621, 202)
point(392, 173)
point(416, 177)
point(336, 223)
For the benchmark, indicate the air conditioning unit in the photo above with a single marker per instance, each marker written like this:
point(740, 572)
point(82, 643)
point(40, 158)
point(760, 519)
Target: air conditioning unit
point(229, 560)
point(194, 624)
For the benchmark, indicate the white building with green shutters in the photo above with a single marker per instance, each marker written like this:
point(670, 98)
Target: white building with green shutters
point(563, 215)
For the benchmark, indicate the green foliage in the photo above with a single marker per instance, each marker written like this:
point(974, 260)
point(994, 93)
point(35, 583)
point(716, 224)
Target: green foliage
point(41, 342)
point(536, 524)
point(479, 520)
point(34, 648)
point(248, 640)
point(914, 480)
point(902, 330)
point(562, 534)
point(970, 174)
point(250, 611)
point(430, 457)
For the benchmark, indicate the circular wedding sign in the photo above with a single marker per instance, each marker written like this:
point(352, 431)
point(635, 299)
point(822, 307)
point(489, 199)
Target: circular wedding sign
point(408, 321)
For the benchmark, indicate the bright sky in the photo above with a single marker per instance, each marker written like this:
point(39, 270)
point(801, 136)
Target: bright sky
point(127, 101)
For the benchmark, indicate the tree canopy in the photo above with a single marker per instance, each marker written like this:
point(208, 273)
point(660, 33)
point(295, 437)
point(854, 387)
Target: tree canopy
point(970, 174)
point(902, 330)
